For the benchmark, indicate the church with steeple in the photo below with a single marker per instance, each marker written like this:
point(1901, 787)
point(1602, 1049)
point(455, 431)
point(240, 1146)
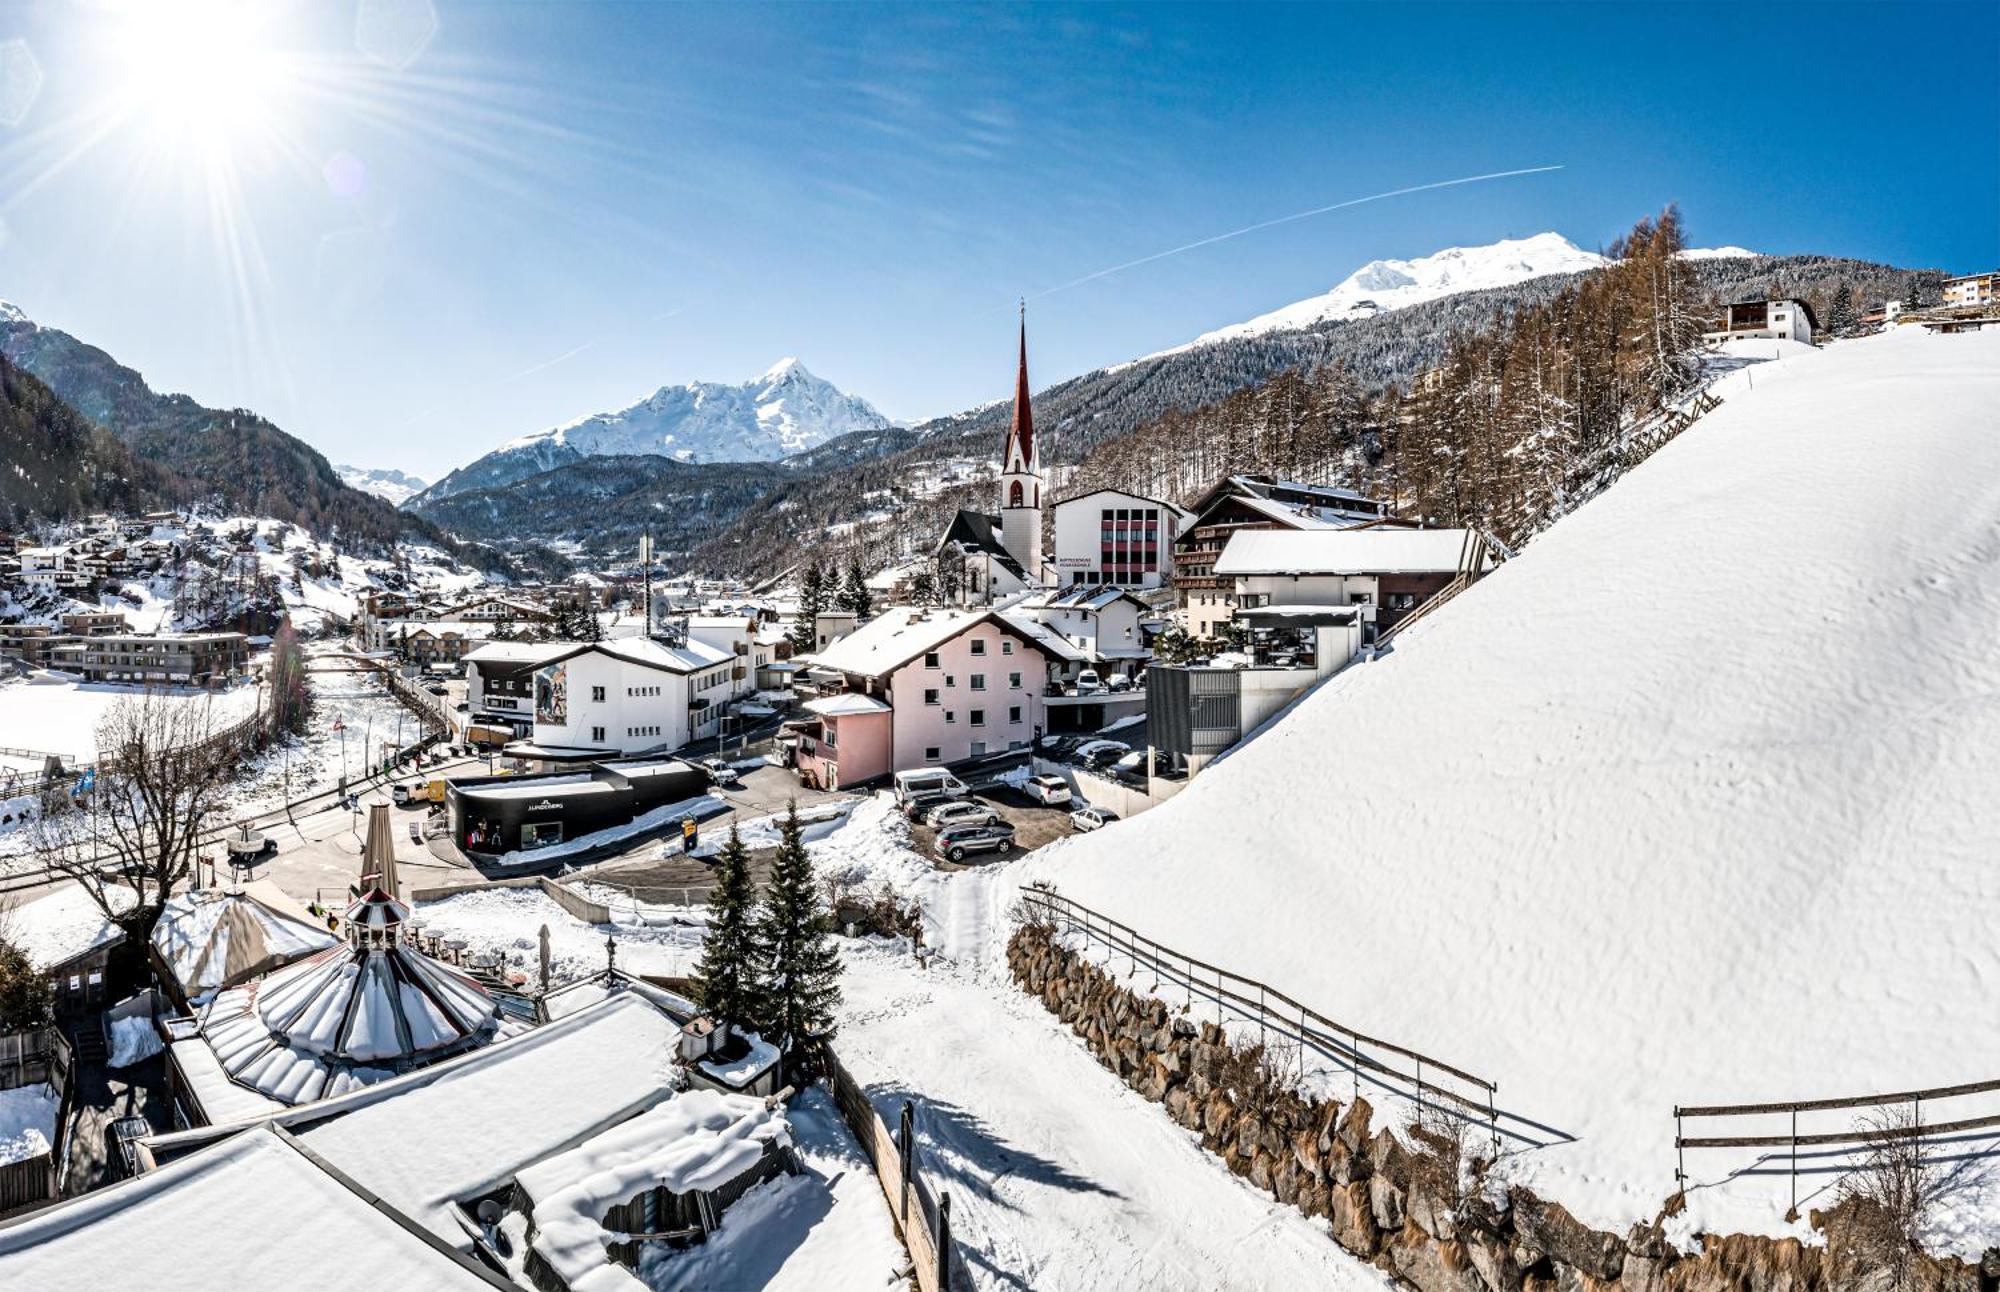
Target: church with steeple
point(987, 556)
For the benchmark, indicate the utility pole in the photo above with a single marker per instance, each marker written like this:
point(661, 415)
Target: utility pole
point(646, 565)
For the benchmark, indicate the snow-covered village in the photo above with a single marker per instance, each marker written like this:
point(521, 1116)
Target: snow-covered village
point(1165, 774)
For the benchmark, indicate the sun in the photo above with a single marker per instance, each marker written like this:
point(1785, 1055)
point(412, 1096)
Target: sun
point(206, 77)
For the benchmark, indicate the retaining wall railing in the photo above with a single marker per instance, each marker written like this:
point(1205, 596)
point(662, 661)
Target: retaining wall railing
point(1430, 1082)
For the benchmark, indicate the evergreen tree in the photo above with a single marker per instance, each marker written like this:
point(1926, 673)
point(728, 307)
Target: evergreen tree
point(1913, 296)
point(1840, 318)
point(795, 935)
point(923, 588)
point(728, 978)
point(854, 596)
point(812, 600)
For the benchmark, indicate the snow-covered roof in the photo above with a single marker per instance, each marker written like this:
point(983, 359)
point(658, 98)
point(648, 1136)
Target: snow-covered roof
point(354, 1014)
point(1342, 551)
point(250, 1212)
point(1046, 637)
point(65, 925)
point(427, 1140)
point(696, 1142)
point(846, 705)
point(895, 637)
point(691, 657)
point(517, 652)
point(210, 938)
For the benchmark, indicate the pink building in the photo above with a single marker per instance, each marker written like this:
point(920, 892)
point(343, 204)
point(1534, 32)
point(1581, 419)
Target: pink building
point(923, 687)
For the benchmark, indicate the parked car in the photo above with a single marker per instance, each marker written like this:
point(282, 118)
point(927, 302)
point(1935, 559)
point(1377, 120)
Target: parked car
point(1091, 818)
point(959, 841)
point(1119, 682)
point(953, 812)
point(1049, 791)
point(1100, 754)
point(918, 806)
point(720, 771)
point(1088, 683)
point(928, 780)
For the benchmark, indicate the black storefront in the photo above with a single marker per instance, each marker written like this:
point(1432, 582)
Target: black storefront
point(492, 815)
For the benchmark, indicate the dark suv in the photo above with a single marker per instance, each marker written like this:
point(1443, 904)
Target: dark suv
point(959, 840)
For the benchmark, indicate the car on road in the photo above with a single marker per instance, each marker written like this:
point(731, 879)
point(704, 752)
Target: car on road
point(953, 812)
point(1049, 791)
point(400, 795)
point(720, 771)
point(961, 841)
point(1091, 818)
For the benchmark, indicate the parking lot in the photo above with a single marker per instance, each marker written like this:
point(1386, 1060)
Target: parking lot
point(1034, 825)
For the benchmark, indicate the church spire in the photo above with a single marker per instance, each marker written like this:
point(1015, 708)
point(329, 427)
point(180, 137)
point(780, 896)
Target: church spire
point(1020, 455)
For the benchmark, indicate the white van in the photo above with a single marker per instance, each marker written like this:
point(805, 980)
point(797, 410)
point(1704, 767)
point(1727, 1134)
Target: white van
point(928, 780)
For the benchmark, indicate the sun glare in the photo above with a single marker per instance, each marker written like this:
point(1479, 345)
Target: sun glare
point(203, 75)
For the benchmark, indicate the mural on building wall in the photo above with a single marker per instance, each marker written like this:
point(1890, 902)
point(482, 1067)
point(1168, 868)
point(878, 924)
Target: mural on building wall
point(552, 695)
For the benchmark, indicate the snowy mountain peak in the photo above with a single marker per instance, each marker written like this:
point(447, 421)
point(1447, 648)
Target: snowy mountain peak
point(1382, 285)
point(11, 313)
point(384, 482)
point(781, 411)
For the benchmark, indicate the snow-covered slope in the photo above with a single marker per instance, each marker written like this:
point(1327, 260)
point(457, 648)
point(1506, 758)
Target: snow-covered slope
point(1691, 803)
point(784, 410)
point(383, 482)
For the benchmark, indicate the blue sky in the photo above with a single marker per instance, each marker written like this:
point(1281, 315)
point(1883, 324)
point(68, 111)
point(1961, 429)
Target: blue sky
point(408, 250)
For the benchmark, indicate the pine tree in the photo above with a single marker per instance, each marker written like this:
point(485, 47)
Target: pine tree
point(923, 588)
point(854, 596)
point(795, 935)
point(728, 979)
point(1840, 318)
point(812, 600)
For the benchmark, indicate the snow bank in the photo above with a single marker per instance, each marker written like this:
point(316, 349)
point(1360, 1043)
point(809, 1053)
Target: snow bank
point(27, 1122)
point(507, 922)
point(639, 826)
point(133, 1040)
point(1691, 803)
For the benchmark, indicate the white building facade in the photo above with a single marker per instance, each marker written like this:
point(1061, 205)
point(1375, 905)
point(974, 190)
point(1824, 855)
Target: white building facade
point(1117, 539)
point(631, 696)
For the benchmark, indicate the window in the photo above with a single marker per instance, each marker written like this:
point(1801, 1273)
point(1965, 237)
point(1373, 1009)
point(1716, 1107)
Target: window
point(931, 695)
point(978, 748)
point(949, 680)
point(597, 695)
point(979, 681)
point(930, 753)
point(950, 717)
point(1014, 713)
point(1014, 681)
point(597, 734)
point(976, 717)
point(931, 659)
point(978, 646)
point(1007, 646)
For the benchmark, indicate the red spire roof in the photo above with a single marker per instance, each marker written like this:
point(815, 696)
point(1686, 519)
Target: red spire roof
point(1023, 432)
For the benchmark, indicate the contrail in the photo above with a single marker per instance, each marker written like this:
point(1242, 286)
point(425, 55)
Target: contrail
point(546, 364)
point(1285, 219)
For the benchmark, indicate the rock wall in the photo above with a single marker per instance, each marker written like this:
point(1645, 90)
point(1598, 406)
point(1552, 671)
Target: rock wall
point(1393, 1199)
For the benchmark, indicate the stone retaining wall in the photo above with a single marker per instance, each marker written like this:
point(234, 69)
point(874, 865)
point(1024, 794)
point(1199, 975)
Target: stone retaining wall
point(1391, 1197)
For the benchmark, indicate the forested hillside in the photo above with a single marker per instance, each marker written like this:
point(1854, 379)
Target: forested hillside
point(1310, 404)
point(54, 463)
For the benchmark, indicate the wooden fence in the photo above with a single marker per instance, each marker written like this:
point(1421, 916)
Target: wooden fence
point(32, 1058)
point(28, 1183)
point(922, 1216)
point(29, 1058)
point(1654, 438)
point(1834, 1152)
point(1430, 1082)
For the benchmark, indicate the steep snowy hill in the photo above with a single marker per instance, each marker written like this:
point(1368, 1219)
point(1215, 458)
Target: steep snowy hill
point(387, 483)
point(783, 411)
point(1692, 803)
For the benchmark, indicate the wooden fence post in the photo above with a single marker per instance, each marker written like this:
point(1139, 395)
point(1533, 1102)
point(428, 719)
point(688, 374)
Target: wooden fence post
point(944, 1243)
point(907, 1133)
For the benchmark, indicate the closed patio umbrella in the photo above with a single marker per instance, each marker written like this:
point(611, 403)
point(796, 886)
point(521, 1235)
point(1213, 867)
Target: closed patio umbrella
point(378, 854)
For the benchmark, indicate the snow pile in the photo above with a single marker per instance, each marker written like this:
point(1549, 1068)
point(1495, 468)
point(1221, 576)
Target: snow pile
point(1692, 803)
point(133, 1040)
point(696, 1142)
point(871, 848)
point(759, 832)
point(27, 1122)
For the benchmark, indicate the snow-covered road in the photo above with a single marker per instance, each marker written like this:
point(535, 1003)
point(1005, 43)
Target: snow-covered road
point(1059, 1176)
